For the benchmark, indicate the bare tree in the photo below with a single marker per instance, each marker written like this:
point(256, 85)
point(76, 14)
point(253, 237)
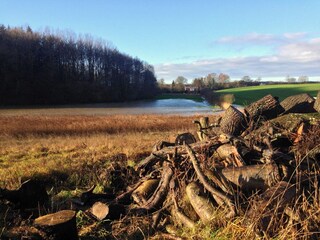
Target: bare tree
point(303, 79)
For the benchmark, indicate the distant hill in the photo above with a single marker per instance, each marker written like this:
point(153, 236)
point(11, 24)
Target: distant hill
point(44, 68)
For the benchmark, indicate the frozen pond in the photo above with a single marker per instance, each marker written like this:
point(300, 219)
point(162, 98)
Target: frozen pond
point(163, 106)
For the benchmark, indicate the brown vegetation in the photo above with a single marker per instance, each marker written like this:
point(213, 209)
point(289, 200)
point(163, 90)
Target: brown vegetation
point(194, 185)
point(75, 125)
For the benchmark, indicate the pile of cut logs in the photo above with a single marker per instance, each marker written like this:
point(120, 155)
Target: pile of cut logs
point(248, 163)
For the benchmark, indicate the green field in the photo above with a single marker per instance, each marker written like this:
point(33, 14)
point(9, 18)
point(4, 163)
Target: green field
point(247, 95)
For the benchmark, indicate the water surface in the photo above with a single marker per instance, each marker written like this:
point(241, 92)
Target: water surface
point(161, 106)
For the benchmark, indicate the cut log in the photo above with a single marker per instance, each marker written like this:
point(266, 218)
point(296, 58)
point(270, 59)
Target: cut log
point(317, 103)
point(201, 204)
point(301, 103)
point(267, 107)
point(271, 204)
point(185, 138)
point(253, 177)
point(102, 211)
point(233, 122)
point(59, 225)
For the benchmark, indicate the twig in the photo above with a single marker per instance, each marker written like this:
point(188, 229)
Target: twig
point(216, 194)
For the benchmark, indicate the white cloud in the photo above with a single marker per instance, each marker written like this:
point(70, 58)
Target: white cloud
point(294, 55)
point(262, 39)
point(255, 38)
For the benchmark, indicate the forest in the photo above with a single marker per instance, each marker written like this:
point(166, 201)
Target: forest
point(61, 68)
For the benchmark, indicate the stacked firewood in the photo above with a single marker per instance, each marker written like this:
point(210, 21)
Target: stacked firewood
point(245, 164)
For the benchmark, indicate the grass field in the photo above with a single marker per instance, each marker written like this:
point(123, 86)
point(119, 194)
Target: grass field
point(47, 145)
point(247, 95)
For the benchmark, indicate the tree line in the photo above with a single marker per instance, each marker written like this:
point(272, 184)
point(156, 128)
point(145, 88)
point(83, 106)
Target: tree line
point(48, 68)
point(214, 81)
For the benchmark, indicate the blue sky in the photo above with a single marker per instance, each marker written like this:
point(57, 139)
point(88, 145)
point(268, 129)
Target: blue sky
point(268, 39)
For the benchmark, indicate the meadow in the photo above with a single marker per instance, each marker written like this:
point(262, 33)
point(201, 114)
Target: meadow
point(246, 95)
point(54, 146)
point(70, 152)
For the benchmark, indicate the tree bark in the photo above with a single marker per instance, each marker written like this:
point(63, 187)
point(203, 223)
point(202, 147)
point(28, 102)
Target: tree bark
point(59, 225)
point(201, 204)
point(253, 177)
point(233, 122)
point(161, 192)
point(301, 103)
point(317, 103)
point(267, 107)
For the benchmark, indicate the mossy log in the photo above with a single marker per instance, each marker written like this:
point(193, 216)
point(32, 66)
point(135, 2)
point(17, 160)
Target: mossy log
point(267, 107)
point(59, 225)
point(317, 103)
point(90, 197)
point(233, 122)
point(301, 103)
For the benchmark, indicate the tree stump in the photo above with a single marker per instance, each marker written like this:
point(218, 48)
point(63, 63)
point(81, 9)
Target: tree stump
point(233, 122)
point(267, 107)
point(317, 103)
point(301, 103)
point(58, 226)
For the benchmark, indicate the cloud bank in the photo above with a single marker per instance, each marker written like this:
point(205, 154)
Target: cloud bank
point(294, 54)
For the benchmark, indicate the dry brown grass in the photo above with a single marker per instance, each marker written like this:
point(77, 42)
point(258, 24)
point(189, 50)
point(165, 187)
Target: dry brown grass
point(72, 125)
point(68, 150)
point(55, 146)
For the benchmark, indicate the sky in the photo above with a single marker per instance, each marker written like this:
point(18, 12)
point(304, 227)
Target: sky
point(191, 38)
